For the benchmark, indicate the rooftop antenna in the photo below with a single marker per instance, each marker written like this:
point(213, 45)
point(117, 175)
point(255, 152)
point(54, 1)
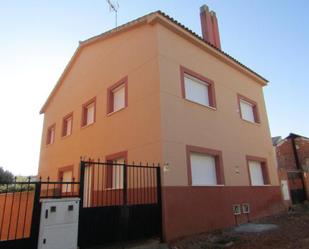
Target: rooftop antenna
point(113, 6)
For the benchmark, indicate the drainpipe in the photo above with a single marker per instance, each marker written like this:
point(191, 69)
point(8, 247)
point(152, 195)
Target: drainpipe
point(298, 166)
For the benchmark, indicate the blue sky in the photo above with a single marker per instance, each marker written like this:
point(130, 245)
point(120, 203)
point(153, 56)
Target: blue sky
point(38, 37)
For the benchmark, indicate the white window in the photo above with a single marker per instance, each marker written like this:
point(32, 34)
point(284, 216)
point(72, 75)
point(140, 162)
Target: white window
point(90, 114)
point(196, 90)
point(118, 174)
point(256, 173)
point(247, 111)
point(118, 98)
point(88, 186)
point(203, 169)
point(67, 176)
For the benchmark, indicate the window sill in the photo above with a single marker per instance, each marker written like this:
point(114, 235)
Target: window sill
point(110, 189)
point(85, 126)
point(111, 113)
point(265, 185)
point(207, 106)
point(66, 136)
point(48, 145)
point(250, 122)
point(217, 185)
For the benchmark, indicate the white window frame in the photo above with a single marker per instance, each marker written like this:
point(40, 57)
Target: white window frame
point(256, 173)
point(123, 96)
point(67, 188)
point(89, 107)
point(204, 100)
point(244, 105)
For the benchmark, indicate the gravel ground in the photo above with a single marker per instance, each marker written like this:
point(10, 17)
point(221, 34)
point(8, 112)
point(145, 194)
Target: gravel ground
point(292, 233)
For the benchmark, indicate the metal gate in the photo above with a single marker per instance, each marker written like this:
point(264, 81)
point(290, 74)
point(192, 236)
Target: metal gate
point(296, 186)
point(119, 202)
point(20, 209)
point(19, 214)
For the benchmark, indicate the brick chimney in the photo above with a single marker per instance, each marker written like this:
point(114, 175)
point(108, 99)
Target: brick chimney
point(210, 28)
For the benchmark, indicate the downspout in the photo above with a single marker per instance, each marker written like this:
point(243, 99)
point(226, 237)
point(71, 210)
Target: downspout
point(298, 164)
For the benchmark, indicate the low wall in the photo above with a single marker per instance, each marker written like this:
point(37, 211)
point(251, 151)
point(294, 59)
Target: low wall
point(192, 210)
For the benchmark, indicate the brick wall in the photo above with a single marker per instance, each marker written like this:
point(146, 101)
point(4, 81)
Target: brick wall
point(302, 146)
point(285, 155)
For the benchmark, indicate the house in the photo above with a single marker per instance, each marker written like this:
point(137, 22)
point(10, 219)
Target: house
point(293, 164)
point(153, 91)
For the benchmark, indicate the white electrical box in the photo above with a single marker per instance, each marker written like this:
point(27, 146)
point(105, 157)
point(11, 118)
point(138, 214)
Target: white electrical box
point(59, 223)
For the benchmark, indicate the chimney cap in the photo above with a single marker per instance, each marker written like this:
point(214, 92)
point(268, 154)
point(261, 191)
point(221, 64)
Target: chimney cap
point(212, 13)
point(204, 8)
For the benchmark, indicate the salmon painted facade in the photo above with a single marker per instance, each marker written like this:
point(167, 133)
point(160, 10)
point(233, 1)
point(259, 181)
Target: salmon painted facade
point(153, 91)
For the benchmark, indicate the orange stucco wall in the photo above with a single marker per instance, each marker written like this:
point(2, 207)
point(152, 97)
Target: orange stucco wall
point(135, 129)
point(186, 123)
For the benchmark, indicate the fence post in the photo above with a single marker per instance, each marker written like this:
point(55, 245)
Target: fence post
point(124, 208)
point(125, 185)
point(81, 202)
point(81, 183)
point(159, 199)
point(36, 216)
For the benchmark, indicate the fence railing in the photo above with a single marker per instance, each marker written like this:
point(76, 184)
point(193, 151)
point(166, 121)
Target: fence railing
point(16, 205)
point(114, 184)
point(58, 189)
point(19, 202)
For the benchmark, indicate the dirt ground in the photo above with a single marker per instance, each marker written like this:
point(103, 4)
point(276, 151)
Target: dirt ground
point(292, 233)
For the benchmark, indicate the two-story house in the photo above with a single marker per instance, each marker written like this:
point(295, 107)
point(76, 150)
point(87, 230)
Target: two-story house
point(153, 91)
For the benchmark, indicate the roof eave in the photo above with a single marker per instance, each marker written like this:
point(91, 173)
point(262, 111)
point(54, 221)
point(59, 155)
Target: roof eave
point(167, 21)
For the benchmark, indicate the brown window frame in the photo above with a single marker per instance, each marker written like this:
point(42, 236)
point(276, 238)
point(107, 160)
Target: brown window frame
point(208, 82)
point(64, 124)
point(254, 107)
point(217, 154)
point(109, 169)
point(264, 167)
point(84, 112)
point(48, 135)
point(110, 95)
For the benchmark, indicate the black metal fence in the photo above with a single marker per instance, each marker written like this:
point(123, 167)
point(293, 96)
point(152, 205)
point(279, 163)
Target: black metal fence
point(119, 202)
point(58, 189)
point(20, 209)
point(112, 184)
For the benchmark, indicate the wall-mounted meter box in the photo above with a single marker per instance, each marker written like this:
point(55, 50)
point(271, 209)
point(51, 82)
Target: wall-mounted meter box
point(59, 223)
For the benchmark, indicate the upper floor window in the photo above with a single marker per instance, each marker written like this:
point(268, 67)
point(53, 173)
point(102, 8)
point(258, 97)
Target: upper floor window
point(117, 96)
point(51, 134)
point(257, 171)
point(67, 125)
point(248, 109)
point(88, 112)
point(197, 88)
point(205, 166)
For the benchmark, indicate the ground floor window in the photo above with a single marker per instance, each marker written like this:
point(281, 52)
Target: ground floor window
point(205, 166)
point(258, 172)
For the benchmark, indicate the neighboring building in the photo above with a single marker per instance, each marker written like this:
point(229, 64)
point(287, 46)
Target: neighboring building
point(153, 91)
point(293, 165)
